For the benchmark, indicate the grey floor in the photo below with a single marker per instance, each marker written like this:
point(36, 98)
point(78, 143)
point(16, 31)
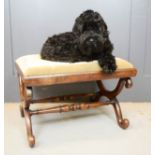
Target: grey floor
point(91, 132)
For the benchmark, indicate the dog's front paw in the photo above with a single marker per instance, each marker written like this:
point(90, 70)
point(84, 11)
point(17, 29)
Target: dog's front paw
point(109, 68)
point(108, 64)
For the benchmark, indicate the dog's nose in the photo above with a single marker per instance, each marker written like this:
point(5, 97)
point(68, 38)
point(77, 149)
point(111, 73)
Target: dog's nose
point(91, 39)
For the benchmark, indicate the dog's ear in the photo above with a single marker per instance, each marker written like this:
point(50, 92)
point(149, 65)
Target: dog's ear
point(78, 26)
point(98, 18)
point(105, 34)
point(79, 22)
point(89, 16)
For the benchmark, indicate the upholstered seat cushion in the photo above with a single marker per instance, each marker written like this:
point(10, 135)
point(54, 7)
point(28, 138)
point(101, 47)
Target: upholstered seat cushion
point(33, 65)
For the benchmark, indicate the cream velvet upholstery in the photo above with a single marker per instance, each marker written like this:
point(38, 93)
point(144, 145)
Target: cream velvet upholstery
point(33, 65)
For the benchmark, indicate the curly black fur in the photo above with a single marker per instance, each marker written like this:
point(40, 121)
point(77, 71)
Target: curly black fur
point(89, 40)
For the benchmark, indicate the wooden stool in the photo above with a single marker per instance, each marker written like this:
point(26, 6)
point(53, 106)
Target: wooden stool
point(33, 71)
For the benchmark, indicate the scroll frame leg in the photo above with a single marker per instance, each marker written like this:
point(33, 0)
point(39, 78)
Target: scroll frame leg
point(122, 122)
point(26, 95)
point(30, 136)
point(127, 82)
point(28, 122)
point(21, 93)
point(21, 110)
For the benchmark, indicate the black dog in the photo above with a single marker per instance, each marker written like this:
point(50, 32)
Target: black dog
point(88, 41)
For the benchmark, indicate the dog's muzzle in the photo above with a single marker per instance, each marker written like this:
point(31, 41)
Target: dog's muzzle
point(91, 43)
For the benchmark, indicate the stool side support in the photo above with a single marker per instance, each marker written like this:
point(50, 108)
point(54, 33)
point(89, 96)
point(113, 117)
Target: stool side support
point(25, 96)
point(112, 95)
point(30, 136)
point(21, 96)
point(127, 82)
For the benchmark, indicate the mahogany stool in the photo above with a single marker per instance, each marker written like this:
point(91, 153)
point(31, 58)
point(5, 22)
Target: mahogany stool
point(33, 71)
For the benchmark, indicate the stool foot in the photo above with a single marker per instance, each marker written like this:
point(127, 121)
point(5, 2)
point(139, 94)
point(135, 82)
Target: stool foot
point(31, 138)
point(31, 141)
point(123, 123)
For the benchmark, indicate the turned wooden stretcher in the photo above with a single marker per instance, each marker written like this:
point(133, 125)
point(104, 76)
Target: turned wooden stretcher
point(32, 71)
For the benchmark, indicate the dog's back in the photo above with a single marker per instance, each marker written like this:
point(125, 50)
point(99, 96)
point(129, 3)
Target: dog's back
point(60, 47)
